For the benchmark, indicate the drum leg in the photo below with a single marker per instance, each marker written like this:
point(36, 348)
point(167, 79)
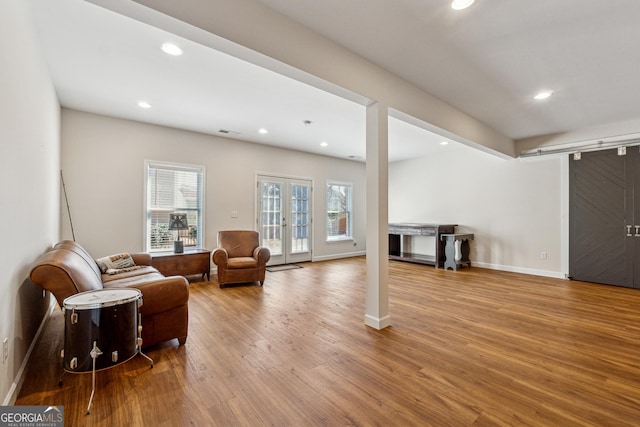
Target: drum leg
point(144, 355)
point(139, 342)
point(61, 376)
point(63, 371)
point(95, 352)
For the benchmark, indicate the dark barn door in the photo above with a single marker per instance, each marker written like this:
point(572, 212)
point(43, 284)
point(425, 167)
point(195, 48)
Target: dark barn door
point(603, 216)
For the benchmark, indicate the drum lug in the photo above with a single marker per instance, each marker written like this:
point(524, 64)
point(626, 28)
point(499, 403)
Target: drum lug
point(74, 363)
point(74, 318)
point(62, 353)
point(114, 356)
point(95, 351)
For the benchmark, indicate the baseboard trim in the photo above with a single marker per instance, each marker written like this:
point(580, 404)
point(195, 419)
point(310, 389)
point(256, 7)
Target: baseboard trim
point(377, 323)
point(499, 267)
point(14, 390)
point(338, 256)
point(522, 270)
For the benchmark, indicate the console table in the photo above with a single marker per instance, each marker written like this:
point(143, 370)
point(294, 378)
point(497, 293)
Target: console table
point(197, 261)
point(398, 230)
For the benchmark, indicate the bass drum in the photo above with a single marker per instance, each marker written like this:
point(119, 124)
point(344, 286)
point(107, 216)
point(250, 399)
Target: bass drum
point(106, 317)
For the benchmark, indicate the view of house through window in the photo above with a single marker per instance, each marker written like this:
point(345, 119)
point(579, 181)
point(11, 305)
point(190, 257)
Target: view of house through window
point(173, 188)
point(339, 207)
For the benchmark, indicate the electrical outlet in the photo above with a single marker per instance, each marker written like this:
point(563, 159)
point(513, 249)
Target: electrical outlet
point(543, 255)
point(5, 349)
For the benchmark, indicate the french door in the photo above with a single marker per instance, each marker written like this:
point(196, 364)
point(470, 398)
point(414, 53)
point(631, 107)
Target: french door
point(284, 218)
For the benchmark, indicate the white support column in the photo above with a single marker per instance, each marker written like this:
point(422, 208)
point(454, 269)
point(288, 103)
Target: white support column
point(377, 302)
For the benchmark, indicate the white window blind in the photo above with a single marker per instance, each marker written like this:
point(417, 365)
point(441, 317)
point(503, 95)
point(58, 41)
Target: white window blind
point(339, 206)
point(173, 188)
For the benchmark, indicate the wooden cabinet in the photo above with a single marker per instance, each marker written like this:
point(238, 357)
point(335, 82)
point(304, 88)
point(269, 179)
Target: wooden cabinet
point(397, 232)
point(185, 264)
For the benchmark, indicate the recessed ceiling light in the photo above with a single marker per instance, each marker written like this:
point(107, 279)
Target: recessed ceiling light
point(324, 144)
point(263, 131)
point(461, 4)
point(444, 143)
point(543, 95)
point(144, 104)
point(171, 49)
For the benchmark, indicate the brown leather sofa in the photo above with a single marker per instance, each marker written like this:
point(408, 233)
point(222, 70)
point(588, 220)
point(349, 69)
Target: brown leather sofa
point(240, 258)
point(68, 268)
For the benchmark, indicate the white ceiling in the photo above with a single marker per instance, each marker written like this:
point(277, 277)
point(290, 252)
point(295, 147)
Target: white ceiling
point(487, 61)
point(490, 59)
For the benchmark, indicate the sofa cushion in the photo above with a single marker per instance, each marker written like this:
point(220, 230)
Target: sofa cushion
point(159, 293)
point(126, 273)
point(123, 282)
point(116, 271)
point(242, 262)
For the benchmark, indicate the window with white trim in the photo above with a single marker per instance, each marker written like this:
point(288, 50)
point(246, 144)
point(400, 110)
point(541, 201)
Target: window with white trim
point(173, 188)
point(339, 211)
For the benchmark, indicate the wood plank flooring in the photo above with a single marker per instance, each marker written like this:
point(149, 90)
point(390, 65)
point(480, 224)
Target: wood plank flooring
point(469, 348)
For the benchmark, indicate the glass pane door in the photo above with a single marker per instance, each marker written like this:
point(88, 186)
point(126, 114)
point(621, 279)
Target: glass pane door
point(271, 227)
point(299, 228)
point(284, 218)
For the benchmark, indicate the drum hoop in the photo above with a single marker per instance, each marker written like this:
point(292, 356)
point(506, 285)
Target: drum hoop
point(132, 295)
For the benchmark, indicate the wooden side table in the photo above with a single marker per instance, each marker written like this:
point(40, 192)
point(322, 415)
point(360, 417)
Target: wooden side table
point(197, 261)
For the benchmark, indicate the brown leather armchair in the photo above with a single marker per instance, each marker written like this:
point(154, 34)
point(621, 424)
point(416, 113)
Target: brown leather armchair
point(240, 258)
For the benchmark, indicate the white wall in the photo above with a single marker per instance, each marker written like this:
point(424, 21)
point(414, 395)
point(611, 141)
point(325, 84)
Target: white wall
point(103, 164)
point(29, 193)
point(514, 207)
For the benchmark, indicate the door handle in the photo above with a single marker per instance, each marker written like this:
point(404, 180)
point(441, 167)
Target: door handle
point(629, 231)
point(637, 230)
point(284, 223)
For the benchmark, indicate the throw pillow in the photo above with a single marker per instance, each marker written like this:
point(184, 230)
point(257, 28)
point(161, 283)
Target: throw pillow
point(113, 271)
point(115, 262)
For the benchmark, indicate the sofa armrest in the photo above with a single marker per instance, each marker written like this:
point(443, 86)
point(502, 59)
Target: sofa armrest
point(163, 294)
point(141, 258)
point(220, 257)
point(262, 254)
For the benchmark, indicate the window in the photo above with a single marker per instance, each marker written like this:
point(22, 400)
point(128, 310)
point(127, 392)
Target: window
point(173, 188)
point(339, 207)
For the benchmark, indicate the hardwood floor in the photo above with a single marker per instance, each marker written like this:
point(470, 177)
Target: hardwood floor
point(469, 348)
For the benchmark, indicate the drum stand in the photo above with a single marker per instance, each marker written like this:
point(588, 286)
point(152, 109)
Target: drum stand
point(96, 352)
